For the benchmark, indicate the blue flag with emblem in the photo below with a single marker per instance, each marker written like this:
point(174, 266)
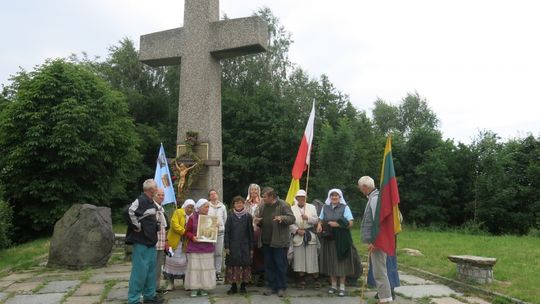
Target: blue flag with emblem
point(163, 177)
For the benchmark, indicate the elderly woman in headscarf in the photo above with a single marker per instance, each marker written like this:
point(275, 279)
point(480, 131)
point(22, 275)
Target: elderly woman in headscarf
point(201, 273)
point(334, 229)
point(305, 256)
point(253, 201)
point(175, 265)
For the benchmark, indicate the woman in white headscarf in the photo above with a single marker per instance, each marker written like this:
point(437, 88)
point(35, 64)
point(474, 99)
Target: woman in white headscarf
point(201, 273)
point(175, 265)
point(334, 227)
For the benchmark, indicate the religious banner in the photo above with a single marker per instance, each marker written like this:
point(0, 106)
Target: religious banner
point(207, 228)
point(163, 177)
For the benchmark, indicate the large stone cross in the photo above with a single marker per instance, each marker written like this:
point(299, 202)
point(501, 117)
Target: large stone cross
point(198, 47)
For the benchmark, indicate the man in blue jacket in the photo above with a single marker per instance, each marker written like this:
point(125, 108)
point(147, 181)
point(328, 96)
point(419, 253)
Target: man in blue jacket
point(143, 227)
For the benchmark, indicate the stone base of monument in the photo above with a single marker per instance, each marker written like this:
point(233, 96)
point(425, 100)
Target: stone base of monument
point(474, 268)
point(83, 237)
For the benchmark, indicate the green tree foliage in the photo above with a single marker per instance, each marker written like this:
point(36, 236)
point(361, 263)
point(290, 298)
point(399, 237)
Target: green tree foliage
point(65, 138)
point(152, 97)
point(266, 101)
point(386, 117)
point(507, 198)
point(412, 113)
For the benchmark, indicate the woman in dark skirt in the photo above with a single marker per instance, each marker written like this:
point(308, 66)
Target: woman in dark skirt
point(334, 229)
point(238, 246)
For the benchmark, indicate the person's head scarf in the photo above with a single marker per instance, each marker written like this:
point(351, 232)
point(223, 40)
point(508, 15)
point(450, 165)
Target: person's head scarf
point(188, 202)
point(200, 203)
point(341, 198)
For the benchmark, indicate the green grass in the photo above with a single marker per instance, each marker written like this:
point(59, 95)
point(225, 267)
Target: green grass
point(23, 256)
point(119, 228)
point(518, 258)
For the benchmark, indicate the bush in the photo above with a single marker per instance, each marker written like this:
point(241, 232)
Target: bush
point(6, 216)
point(474, 228)
point(65, 138)
point(534, 232)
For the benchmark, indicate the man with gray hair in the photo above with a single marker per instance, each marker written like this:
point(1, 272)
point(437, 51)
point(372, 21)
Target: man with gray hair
point(142, 233)
point(366, 185)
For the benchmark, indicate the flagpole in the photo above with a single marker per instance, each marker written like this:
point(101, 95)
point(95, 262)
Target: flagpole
point(307, 180)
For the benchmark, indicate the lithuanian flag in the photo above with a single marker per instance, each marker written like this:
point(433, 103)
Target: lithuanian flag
point(388, 225)
point(302, 157)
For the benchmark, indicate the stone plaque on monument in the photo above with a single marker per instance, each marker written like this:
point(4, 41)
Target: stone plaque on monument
point(201, 150)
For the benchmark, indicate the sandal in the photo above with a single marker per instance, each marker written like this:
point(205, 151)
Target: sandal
point(317, 284)
point(302, 285)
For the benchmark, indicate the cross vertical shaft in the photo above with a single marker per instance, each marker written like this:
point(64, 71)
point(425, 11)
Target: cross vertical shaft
point(198, 47)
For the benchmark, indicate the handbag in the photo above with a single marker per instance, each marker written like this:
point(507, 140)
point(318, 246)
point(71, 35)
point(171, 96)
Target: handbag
point(327, 232)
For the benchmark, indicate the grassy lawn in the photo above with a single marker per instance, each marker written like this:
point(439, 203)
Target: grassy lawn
point(23, 256)
point(518, 258)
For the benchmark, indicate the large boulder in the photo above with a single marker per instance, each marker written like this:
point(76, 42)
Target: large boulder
point(82, 237)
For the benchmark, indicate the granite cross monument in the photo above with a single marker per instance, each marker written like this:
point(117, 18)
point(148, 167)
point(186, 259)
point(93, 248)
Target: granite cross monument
point(197, 47)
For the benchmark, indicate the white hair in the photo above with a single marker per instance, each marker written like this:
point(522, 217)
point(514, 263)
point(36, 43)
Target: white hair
point(366, 181)
point(149, 184)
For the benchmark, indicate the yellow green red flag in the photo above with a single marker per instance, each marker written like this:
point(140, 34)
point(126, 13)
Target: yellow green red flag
point(387, 211)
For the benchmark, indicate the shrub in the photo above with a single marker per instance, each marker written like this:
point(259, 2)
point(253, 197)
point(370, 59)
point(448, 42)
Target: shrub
point(66, 137)
point(6, 217)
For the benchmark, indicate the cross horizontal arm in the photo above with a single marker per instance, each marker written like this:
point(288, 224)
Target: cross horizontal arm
point(162, 48)
point(237, 37)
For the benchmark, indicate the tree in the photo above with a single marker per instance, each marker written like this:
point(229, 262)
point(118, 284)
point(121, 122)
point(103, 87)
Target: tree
point(65, 138)
point(507, 196)
point(414, 113)
point(266, 102)
point(152, 97)
point(386, 117)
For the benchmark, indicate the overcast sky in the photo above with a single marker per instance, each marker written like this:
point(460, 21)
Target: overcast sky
point(477, 62)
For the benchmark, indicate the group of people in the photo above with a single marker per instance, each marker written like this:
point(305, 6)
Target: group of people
point(258, 239)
